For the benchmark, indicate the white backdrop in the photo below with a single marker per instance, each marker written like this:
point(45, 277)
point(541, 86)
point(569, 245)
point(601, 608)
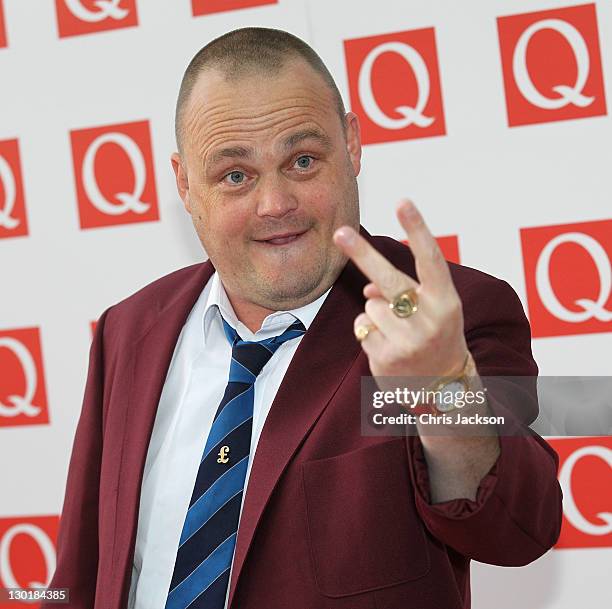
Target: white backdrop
point(507, 171)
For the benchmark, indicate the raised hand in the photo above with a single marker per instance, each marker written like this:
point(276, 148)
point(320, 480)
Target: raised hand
point(419, 334)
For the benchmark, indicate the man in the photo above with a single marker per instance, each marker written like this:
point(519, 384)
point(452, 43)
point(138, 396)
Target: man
point(191, 489)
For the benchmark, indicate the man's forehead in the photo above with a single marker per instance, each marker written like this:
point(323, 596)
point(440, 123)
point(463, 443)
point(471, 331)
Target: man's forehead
point(295, 82)
point(282, 109)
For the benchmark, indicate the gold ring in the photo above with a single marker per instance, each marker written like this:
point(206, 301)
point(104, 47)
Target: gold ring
point(362, 331)
point(405, 304)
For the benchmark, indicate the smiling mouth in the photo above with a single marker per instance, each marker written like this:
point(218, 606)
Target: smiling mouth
point(283, 239)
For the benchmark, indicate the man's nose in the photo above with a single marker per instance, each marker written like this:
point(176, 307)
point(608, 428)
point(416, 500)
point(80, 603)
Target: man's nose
point(275, 196)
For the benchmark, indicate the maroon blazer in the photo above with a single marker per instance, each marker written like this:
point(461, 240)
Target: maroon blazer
point(331, 519)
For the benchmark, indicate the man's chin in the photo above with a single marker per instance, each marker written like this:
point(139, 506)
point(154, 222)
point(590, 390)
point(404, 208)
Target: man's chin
point(280, 294)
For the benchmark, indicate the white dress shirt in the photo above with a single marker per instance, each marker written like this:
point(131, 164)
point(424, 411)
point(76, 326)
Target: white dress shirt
point(191, 394)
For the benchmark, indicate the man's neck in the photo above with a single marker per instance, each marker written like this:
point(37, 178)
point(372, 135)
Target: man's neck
point(250, 314)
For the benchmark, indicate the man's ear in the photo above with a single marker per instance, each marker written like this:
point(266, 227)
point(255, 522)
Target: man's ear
point(353, 141)
point(182, 183)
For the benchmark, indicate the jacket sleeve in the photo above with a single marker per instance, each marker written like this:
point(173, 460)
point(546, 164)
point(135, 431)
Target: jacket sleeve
point(516, 516)
point(77, 544)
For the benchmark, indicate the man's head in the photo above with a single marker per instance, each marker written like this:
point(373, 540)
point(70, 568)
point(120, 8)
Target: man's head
point(267, 165)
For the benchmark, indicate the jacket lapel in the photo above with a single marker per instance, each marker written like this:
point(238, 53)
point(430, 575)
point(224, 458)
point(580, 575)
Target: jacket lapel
point(150, 362)
point(326, 353)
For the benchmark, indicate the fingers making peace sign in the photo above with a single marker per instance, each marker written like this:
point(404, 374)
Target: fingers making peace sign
point(409, 327)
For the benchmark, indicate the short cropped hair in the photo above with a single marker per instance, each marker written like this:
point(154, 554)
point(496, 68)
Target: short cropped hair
point(240, 51)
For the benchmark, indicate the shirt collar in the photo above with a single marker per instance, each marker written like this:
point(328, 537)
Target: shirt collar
point(217, 304)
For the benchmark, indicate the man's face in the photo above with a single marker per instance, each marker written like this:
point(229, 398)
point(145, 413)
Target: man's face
point(267, 175)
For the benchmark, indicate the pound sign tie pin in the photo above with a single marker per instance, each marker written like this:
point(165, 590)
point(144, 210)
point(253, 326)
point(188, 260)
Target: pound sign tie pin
point(208, 538)
point(223, 455)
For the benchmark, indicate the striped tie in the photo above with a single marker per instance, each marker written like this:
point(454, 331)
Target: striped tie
point(204, 556)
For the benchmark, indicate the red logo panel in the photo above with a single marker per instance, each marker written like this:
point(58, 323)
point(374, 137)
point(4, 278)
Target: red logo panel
point(205, 7)
point(568, 278)
point(449, 245)
point(115, 180)
point(3, 39)
point(28, 547)
point(23, 398)
point(77, 17)
point(585, 475)
point(552, 65)
point(394, 85)
point(13, 220)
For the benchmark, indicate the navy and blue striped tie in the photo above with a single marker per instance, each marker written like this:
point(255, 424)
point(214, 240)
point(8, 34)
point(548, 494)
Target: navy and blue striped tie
point(204, 556)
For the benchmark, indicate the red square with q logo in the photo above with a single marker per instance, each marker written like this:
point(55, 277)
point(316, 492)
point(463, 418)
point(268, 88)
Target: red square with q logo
point(28, 551)
point(394, 85)
point(206, 7)
point(114, 175)
point(568, 278)
point(552, 65)
point(13, 218)
point(3, 40)
point(585, 475)
point(23, 395)
point(78, 17)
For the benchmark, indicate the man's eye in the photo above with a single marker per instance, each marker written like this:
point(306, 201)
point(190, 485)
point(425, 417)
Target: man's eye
point(304, 162)
point(234, 177)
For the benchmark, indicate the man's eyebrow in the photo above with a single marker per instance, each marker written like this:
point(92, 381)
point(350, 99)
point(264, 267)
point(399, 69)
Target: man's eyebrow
point(242, 152)
point(233, 152)
point(307, 134)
